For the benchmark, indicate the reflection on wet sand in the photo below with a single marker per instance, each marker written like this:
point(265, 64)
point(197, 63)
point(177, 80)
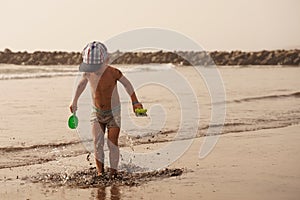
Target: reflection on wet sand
point(115, 193)
point(103, 193)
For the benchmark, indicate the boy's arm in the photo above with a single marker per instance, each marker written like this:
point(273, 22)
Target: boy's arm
point(127, 85)
point(80, 88)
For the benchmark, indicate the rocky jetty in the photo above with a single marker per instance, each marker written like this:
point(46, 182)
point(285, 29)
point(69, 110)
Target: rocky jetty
point(276, 57)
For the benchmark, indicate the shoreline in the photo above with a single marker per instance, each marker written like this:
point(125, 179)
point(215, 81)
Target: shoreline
point(66, 147)
point(265, 57)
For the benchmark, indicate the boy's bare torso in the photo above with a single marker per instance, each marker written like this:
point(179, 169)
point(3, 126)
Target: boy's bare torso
point(104, 90)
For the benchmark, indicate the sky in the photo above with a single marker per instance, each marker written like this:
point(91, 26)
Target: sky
point(67, 25)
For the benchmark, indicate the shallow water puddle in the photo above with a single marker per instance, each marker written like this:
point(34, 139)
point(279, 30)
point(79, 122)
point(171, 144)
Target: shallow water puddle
point(88, 178)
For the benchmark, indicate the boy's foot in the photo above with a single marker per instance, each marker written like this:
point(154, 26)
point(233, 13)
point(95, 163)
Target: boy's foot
point(102, 176)
point(114, 175)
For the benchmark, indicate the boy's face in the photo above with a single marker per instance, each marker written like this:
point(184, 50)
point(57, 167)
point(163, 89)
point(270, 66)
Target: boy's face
point(102, 69)
point(106, 60)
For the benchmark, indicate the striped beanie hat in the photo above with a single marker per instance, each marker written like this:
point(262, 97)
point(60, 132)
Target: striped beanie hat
point(93, 57)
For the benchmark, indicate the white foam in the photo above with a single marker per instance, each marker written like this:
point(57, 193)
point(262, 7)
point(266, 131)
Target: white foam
point(8, 72)
point(36, 75)
point(145, 67)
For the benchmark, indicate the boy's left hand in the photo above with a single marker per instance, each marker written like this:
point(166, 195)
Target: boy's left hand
point(137, 105)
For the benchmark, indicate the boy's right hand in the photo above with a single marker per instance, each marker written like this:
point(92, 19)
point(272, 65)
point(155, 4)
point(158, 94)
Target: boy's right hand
point(73, 107)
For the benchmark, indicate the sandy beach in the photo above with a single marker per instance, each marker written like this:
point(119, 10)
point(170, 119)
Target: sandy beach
point(256, 157)
point(254, 165)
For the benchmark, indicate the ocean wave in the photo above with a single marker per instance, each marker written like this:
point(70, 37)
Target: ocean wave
point(10, 72)
point(273, 96)
point(38, 146)
point(147, 68)
point(36, 75)
point(265, 97)
point(254, 66)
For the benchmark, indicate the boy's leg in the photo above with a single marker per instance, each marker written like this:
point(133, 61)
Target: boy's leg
point(114, 153)
point(98, 134)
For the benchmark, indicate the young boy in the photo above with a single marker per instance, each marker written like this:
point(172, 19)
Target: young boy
point(106, 103)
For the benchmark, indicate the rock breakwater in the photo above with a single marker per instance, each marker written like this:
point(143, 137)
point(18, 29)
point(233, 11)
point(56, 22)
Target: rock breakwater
point(275, 57)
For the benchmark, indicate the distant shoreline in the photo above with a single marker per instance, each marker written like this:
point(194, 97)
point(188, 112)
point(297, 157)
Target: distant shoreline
point(272, 57)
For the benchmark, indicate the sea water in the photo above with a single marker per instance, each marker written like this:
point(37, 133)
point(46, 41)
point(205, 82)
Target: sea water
point(256, 97)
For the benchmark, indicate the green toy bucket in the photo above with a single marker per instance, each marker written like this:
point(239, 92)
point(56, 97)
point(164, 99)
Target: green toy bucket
point(73, 121)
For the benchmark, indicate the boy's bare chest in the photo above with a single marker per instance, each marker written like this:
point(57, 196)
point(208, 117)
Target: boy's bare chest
point(104, 83)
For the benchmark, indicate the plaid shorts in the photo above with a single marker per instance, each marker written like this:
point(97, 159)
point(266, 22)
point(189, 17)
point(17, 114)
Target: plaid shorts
point(109, 118)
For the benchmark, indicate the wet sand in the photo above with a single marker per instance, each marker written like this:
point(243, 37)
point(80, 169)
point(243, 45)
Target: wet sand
point(253, 165)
